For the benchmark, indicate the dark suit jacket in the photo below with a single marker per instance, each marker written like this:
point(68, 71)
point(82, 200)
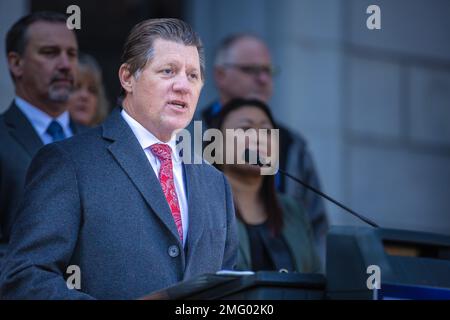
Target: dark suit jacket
point(94, 201)
point(19, 142)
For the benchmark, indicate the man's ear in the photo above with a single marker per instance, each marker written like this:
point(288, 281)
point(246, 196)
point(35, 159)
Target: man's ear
point(126, 78)
point(15, 64)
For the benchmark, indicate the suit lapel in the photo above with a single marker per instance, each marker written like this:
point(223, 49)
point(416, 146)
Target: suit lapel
point(21, 129)
point(196, 212)
point(128, 153)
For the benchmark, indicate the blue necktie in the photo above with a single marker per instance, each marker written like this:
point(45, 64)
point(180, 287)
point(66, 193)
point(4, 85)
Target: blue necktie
point(56, 131)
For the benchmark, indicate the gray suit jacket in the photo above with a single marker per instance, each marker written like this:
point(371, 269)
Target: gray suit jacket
point(19, 142)
point(94, 201)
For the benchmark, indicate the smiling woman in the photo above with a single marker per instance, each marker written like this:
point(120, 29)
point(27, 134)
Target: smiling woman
point(88, 104)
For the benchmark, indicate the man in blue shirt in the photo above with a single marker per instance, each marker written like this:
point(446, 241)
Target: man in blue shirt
point(42, 56)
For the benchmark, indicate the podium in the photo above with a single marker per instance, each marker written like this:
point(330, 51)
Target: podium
point(258, 286)
point(411, 264)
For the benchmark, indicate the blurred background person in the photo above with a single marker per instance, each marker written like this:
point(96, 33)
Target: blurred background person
point(88, 104)
point(274, 230)
point(243, 68)
point(42, 59)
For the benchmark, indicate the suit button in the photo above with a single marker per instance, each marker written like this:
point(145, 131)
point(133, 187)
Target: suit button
point(174, 251)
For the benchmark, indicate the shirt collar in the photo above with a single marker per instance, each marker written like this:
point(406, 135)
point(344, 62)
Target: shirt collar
point(146, 138)
point(38, 118)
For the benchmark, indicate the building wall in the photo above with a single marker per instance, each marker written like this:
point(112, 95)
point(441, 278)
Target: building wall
point(10, 11)
point(374, 105)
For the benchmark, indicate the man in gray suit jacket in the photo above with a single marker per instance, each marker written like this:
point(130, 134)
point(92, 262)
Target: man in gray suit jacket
point(113, 212)
point(42, 57)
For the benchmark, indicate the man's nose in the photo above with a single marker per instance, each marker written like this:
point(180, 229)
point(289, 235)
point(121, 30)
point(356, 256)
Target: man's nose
point(264, 77)
point(65, 61)
point(182, 84)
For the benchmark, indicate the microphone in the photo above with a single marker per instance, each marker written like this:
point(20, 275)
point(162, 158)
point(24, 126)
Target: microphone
point(260, 162)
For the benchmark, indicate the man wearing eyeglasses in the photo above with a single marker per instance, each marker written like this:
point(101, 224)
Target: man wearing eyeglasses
point(243, 69)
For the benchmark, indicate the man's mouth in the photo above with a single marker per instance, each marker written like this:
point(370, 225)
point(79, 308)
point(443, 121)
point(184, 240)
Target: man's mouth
point(178, 104)
point(63, 80)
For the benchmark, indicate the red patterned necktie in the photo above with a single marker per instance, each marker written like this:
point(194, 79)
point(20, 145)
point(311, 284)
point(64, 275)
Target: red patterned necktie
point(163, 153)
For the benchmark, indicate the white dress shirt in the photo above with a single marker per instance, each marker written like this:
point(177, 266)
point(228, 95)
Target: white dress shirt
point(147, 139)
point(40, 120)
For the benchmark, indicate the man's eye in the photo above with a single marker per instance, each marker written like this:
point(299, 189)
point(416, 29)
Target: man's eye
point(49, 52)
point(167, 71)
point(72, 54)
point(194, 76)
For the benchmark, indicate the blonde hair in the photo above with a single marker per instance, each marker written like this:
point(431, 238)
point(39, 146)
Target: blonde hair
point(90, 65)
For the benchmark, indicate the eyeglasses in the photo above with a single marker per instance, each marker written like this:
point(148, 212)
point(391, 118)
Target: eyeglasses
point(254, 70)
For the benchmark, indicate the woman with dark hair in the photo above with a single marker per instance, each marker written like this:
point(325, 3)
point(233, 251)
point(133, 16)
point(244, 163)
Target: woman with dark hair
point(274, 232)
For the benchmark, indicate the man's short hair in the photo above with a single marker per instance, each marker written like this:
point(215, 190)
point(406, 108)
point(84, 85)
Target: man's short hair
point(138, 48)
point(227, 43)
point(16, 38)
